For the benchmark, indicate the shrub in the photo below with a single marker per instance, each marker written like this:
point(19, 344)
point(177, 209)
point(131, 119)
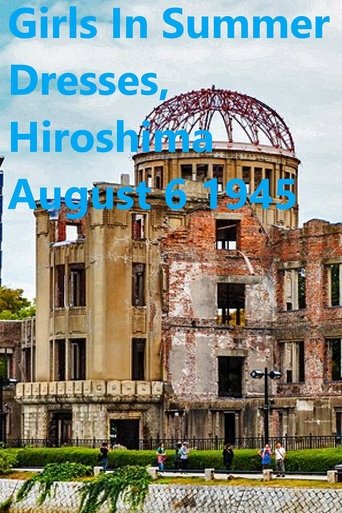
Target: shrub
point(315, 460)
point(8, 460)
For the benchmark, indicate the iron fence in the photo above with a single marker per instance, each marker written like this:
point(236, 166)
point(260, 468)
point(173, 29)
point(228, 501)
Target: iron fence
point(291, 443)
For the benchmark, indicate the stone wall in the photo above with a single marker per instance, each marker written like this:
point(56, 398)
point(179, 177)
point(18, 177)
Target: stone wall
point(193, 499)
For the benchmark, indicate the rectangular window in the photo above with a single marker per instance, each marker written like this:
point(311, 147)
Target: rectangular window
point(230, 376)
point(294, 289)
point(28, 363)
point(71, 233)
point(158, 177)
point(257, 176)
point(60, 360)
point(339, 423)
point(138, 226)
point(186, 171)
point(201, 172)
point(246, 177)
point(336, 359)
point(293, 362)
point(335, 281)
point(77, 285)
point(227, 234)
point(149, 179)
point(77, 359)
point(7, 370)
point(59, 286)
point(231, 304)
point(138, 285)
point(269, 177)
point(138, 359)
point(218, 174)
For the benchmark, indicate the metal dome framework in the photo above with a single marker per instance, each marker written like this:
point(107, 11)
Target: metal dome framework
point(197, 108)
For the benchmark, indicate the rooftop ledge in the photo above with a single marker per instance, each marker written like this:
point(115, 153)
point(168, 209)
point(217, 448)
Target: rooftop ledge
point(232, 146)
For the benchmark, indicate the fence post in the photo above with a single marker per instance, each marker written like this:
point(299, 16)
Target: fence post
point(286, 444)
point(310, 438)
point(216, 442)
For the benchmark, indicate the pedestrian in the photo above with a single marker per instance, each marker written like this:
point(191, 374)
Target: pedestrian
point(103, 456)
point(161, 456)
point(280, 455)
point(184, 455)
point(178, 460)
point(228, 455)
point(265, 455)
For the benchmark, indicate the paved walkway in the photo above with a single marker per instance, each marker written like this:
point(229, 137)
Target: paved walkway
point(219, 475)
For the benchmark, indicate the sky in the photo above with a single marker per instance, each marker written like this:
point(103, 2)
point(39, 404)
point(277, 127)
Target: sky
point(300, 79)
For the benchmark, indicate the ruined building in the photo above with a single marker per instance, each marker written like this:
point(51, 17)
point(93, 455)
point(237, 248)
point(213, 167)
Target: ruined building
point(149, 322)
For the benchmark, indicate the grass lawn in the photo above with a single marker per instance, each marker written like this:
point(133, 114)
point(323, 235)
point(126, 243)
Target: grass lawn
point(239, 481)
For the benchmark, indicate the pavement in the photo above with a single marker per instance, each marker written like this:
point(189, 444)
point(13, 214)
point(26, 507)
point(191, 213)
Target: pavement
point(219, 475)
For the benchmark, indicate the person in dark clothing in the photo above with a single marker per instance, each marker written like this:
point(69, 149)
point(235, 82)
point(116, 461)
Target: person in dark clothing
point(228, 455)
point(178, 461)
point(103, 456)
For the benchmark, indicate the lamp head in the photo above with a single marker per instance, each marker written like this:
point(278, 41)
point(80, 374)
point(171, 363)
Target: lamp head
point(257, 374)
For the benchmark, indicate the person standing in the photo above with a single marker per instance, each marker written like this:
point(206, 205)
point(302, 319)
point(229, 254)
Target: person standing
point(104, 456)
point(178, 456)
point(228, 455)
point(184, 455)
point(280, 455)
point(265, 455)
point(161, 456)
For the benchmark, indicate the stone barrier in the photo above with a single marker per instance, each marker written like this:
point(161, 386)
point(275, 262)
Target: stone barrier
point(191, 499)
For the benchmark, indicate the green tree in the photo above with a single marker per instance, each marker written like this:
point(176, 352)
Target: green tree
point(13, 305)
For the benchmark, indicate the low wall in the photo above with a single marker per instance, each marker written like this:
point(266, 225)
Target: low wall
point(193, 499)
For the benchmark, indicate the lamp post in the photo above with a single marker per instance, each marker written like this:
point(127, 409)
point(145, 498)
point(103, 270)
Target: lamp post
point(273, 374)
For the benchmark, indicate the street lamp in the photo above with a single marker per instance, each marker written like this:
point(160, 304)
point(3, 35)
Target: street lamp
point(273, 374)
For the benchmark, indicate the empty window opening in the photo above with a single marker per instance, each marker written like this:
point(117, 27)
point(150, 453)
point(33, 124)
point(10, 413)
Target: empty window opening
point(269, 177)
point(227, 234)
point(218, 174)
point(71, 233)
point(77, 289)
point(28, 363)
point(138, 358)
point(246, 177)
point(230, 376)
point(186, 171)
point(59, 286)
point(78, 359)
point(294, 289)
point(231, 304)
point(257, 176)
point(149, 179)
point(140, 175)
point(202, 172)
point(60, 360)
point(7, 369)
point(138, 226)
point(336, 359)
point(335, 279)
point(138, 285)
point(293, 362)
point(158, 177)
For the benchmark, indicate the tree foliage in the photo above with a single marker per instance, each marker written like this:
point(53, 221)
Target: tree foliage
point(13, 305)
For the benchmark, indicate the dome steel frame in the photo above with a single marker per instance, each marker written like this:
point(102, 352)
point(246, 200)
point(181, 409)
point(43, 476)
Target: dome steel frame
point(197, 108)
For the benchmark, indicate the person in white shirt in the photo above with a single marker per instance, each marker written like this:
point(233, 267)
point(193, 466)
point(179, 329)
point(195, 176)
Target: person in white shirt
point(280, 455)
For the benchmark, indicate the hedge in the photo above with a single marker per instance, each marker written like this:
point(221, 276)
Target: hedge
point(315, 460)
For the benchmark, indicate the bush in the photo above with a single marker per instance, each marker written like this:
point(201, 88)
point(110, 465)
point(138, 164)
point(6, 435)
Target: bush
point(315, 460)
point(8, 459)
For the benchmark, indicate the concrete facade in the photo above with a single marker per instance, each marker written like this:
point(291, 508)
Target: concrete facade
point(149, 322)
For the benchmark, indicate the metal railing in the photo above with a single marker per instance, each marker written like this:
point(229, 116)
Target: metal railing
point(291, 443)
